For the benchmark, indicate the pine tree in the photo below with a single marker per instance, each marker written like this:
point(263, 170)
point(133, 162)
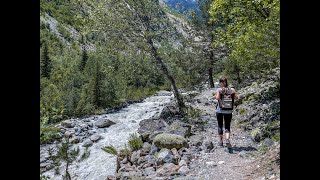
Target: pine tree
point(46, 65)
point(84, 56)
point(97, 86)
point(84, 59)
point(67, 155)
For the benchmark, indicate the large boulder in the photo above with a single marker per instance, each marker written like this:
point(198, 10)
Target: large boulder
point(169, 111)
point(148, 126)
point(179, 128)
point(102, 123)
point(169, 141)
point(68, 124)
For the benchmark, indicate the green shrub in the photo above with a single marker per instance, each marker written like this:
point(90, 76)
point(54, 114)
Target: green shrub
point(192, 113)
point(48, 134)
point(110, 149)
point(135, 142)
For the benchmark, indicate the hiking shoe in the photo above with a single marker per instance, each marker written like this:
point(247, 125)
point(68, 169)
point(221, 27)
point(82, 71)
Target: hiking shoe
point(228, 143)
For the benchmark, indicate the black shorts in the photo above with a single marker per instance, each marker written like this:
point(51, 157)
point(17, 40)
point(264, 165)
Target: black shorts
point(227, 121)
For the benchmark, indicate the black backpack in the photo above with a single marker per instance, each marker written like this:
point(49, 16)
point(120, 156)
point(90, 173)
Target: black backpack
point(226, 101)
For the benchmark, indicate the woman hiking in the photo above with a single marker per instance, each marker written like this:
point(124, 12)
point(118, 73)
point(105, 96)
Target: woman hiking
point(224, 108)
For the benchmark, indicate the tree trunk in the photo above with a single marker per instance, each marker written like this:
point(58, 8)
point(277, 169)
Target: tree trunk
point(164, 69)
point(238, 73)
point(211, 83)
point(67, 175)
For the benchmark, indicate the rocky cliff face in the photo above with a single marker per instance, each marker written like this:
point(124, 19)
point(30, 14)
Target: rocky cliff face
point(258, 109)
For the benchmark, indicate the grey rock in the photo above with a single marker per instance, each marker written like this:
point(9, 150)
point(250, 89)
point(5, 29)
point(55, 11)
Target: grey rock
point(168, 169)
point(95, 138)
point(208, 146)
point(135, 156)
point(179, 128)
point(77, 130)
point(148, 171)
point(90, 124)
point(124, 161)
point(176, 155)
point(44, 165)
point(151, 126)
point(74, 140)
point(43, 159)
point(153, 149)
point(211, 163)
point(102, 123)
point(196, 140)
point(243, 154)
point(221, 162)
point(183, 170)
point(155, 177)
point(141, 160)
point(84, 126)
point(182, 163)
point(145, 136)
point(87, 143)
point(146, 147)
point(151, 159)
point(164, 93)
point(62, 130)
point(267, 142)
point(164, 156)
point(174, 152)
point(87, 120)
point(68, 133)
point(169, 111)
point(91, 132)
point(68, 124)
point(111, 177)
point(186, 158)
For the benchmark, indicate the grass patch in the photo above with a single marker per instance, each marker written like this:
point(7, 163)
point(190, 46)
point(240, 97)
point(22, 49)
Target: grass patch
point(242, 111)
point(263, 149)
point(276, 137)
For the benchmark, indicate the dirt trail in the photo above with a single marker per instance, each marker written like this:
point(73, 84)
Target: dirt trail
point(221, 164)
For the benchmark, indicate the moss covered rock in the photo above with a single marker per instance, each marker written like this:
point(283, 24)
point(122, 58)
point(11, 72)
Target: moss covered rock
point(166, 140)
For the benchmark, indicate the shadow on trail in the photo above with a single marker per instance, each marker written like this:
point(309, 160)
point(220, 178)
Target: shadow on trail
point(239, 149)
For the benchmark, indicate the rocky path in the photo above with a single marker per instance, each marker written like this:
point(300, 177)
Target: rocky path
point(221, 163)
point(172, 148)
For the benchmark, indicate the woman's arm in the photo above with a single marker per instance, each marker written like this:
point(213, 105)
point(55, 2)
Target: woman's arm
point(235, 94)
point(217, 95)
